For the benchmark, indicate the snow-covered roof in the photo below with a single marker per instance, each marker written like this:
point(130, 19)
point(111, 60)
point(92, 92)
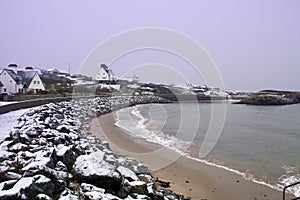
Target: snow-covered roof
point(27, 76)
point(15, 76)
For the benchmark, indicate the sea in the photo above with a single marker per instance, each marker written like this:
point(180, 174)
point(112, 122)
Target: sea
point(261, 143)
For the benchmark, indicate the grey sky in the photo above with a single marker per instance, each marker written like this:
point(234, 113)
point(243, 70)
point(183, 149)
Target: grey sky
point(255, 44)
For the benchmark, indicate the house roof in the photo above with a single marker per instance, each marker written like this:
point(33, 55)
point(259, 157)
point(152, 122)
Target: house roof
point(16, 77)
point(27, 76)
point(105, 67)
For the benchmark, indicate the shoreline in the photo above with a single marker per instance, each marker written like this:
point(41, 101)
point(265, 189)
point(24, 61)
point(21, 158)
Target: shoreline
point(187, 176)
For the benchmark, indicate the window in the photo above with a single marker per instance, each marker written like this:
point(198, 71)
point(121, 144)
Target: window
point(37, 82)
point(34, 82)
point(4, 89)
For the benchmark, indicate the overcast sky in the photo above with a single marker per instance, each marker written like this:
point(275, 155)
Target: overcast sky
point(255, 44)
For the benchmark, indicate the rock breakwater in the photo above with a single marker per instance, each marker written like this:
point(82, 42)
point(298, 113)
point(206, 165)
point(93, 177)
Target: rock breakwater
point(51, 154)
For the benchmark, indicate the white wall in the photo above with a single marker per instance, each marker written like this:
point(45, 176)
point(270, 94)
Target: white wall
point(102, 75)
point(36, 83)
point(9, 83)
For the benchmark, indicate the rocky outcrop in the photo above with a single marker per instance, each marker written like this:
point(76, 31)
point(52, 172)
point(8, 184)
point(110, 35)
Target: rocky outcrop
point(272, 97)
point(51, 155)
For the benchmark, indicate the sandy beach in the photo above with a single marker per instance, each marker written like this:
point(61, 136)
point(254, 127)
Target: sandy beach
point(187, 176)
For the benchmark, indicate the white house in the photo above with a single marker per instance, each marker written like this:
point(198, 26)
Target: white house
point(12, 83)
point(19, 81)
point(31, 81)
point(1, 87)
point(104, 74)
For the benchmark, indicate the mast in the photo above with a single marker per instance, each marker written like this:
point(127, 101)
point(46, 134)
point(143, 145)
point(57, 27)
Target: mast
point(69, 68)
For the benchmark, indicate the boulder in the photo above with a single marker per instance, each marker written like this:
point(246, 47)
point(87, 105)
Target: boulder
point(91, 192)
point(90, 169)
point(43, 197)
point(18, 147)
point(111, 159)
point(146, 178)
point(127, 173)
point(66, 155)
point(139, 187)
point(67, 194)
point(60, 166)
point(4, 155)
point(138, 196)
point(5, 145)
point(44, 157)
point(6, 185)
point(12, 176)
point(41, 184)
point(141, 169)
point(15, 191)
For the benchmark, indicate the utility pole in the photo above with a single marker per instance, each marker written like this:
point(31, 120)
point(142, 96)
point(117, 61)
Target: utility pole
point(69, 68)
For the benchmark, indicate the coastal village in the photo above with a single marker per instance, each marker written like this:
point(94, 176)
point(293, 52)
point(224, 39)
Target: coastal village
point(25, 83)
point(18, 81)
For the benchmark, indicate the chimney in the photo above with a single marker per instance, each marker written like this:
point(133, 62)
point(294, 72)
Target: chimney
point(13, 67)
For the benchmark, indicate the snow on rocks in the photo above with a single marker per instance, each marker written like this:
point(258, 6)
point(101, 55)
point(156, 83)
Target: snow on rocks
point(51, 155)
point(127, 173)
point(90, 169)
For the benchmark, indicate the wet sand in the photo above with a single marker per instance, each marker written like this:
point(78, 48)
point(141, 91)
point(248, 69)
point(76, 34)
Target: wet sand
point(187, 176)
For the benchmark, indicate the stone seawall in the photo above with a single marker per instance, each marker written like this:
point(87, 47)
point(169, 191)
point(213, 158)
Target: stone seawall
point(51, 154)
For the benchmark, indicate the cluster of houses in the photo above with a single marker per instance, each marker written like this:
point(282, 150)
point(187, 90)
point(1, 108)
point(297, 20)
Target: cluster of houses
point(16, 80)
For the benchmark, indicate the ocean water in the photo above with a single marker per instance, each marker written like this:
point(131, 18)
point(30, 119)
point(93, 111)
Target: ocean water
point(261, 143)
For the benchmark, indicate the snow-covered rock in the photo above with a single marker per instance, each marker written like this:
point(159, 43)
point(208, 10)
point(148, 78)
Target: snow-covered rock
point(139, 187)
point(7, 184)
point(127, 173)
point(66, 155)
point(15, 192)
point(43, 197)
point(4, 155)
point(12, 176)
point(67, 194)
point(141, 169)
point(90, 169)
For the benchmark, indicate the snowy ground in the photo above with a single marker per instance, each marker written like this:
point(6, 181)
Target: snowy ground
point(2, 103)
point(9, 120)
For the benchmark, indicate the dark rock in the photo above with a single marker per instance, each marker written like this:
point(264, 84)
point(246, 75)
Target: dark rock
point(139, 187)
point(127, 173)
point(41, 184)
point(4, 155)
point(12, 176)
point(63, 129)
point(162, 183)
point(67, 194)
point(18, 147)
point(141, 169)
point(67, 155)
point(90, 169)
point(15, 191)
point(6, 185)
point(60, 166)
